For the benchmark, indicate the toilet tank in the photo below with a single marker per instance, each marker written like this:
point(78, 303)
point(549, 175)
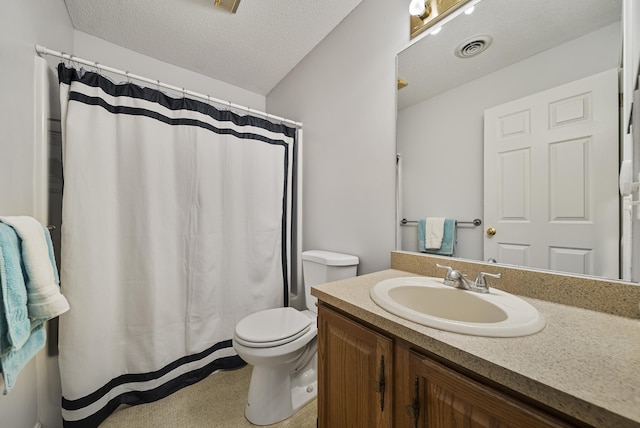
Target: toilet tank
point(320, 266)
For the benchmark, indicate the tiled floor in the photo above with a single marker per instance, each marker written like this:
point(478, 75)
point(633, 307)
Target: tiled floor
point(217, 401)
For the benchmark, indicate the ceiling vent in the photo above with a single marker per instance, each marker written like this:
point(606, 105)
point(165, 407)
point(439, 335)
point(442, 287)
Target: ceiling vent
point(473, 46)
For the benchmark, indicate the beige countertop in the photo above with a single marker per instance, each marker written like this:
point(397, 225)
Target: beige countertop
point(584, 363)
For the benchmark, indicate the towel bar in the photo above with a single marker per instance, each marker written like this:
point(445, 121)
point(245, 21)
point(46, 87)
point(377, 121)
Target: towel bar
point(475, 222)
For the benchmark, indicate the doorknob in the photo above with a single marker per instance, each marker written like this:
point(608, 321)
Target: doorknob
point(491, 231)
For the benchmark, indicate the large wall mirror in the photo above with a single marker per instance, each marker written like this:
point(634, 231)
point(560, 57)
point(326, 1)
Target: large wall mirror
point(473, 97)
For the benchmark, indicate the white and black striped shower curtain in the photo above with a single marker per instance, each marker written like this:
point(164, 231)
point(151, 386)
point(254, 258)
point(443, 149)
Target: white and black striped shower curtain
point(176, 224)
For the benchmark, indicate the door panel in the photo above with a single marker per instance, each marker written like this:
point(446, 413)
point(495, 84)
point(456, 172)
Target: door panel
point(550, 181)
point(442, 397)
point(354, 373)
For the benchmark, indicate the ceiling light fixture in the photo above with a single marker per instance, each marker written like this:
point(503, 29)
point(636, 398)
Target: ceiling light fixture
point(426, 13)
point(419, 8)
point(229, 5)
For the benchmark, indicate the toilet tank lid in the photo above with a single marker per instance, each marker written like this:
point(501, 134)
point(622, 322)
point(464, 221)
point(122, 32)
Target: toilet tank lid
point(330, 258)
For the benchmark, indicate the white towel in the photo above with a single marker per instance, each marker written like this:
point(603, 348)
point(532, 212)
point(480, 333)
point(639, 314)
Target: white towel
point(44, 300)
point(434, 231)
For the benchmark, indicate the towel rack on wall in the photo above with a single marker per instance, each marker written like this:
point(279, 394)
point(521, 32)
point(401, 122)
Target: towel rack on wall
point(475, 222)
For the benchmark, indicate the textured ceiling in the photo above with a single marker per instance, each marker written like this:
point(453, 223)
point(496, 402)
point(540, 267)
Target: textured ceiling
point(519, 30)
point(253, 49)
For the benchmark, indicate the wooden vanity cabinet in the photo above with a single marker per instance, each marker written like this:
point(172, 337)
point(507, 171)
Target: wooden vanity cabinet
point(442, 397)
point(368, 379)
point(355, 367)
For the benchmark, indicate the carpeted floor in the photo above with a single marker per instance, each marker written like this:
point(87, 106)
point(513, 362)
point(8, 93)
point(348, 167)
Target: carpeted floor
point(217, 401)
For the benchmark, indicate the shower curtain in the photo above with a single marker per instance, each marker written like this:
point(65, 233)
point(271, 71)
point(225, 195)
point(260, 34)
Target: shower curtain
point(176, 224)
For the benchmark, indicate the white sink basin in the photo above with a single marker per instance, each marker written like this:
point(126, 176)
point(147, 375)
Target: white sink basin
point(427, 301)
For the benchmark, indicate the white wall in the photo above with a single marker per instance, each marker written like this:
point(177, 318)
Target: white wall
point(443, 174)
point(344, 93)
point(94, 49)
point(23, 24)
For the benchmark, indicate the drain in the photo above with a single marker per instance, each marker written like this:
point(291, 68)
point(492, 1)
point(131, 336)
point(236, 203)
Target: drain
point(473, 46)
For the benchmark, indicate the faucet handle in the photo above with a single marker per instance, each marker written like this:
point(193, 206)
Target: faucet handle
point(482, 282)
point(448, 268)
point(453, 277)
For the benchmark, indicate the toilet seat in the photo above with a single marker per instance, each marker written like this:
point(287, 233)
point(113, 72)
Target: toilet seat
point(272, 327)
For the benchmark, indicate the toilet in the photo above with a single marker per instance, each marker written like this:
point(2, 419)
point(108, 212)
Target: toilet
point(281, 344)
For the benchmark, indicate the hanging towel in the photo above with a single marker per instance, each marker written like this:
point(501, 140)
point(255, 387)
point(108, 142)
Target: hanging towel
point(447, 246)
point(15, 326)
point(434, 233)
point(20, 338)
point(44, 300)
point(422, 227)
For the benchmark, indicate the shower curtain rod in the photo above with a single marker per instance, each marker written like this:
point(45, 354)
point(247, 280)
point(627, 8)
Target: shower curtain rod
point(46, 51)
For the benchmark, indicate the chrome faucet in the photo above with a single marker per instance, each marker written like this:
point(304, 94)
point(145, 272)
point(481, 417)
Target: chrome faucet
point(455, 278)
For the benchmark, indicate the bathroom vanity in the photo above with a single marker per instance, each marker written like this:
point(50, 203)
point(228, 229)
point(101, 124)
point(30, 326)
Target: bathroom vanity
point(376, 369)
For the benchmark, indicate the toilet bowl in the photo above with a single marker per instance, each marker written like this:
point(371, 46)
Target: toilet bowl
point(281, 344)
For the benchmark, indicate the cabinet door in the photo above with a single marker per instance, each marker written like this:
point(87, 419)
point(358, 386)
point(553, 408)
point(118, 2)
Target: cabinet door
point(445, 398)
point(354, 373)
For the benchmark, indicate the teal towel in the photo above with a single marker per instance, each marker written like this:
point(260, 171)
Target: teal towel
point(20, 340)
point(422, 228)
point(44, 300)
point(448, 238)
point(15, 360)
point(14, 322)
